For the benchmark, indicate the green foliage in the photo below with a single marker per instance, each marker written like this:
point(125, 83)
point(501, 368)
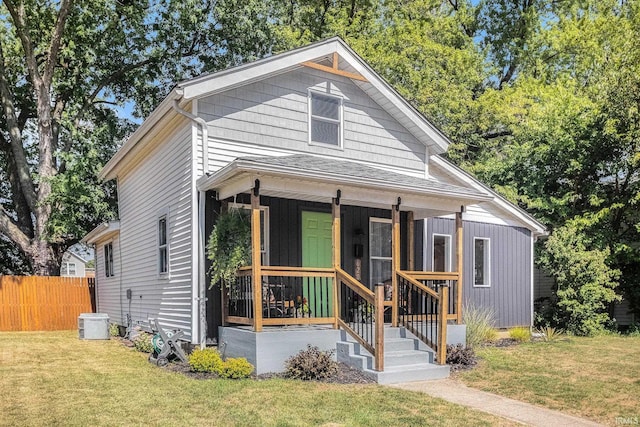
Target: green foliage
point(114, 330)
point(229, 246)
point(549, 333)
point(235, 368)
point(584, 280)
point(479, 322)
point(311, 364)
point(205, 360)
point(461, 357)
point(520, 334)
point(142, 342)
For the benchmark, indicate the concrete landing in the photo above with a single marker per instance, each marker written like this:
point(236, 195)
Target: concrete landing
point(455, 392)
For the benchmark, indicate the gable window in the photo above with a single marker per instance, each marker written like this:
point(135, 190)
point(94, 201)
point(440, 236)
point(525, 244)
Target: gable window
point(163, 247)
point(379, 250)
point(325, 119)
point(481, 262)
point(441, 252)
point(108, 260)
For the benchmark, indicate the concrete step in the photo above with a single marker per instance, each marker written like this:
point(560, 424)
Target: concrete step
point(409, 373)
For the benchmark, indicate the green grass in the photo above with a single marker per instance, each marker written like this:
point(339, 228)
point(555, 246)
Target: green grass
point(52, 378)
point(597, 378)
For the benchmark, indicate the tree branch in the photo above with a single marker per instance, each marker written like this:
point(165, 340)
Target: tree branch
point(13, 232)
point(106, 81)
point(15, 134)
point(17, 14)
point(56, 39)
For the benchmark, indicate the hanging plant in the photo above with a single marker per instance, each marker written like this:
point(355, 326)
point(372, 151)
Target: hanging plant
point(229, 246)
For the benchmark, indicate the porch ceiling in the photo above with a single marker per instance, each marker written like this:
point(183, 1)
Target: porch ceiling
point(312, 178)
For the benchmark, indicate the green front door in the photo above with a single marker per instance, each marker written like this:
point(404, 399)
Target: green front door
point(316, 252)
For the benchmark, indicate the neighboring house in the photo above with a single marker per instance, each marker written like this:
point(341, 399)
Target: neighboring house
point(73, 265)
point(346, 185)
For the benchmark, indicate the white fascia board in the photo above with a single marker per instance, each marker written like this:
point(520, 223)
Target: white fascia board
point(109, 171)
point(102, 232)
point(531, 223)
point(242, 166)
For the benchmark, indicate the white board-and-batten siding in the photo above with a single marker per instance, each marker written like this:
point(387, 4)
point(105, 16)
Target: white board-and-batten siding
point(162, 183)
point(271, 117)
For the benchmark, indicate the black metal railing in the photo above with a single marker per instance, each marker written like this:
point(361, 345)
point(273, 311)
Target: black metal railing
point(240, 297)
point(297, 297)
point(419, 310)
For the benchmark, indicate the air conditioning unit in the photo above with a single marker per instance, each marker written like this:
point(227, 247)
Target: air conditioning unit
point(93, 326)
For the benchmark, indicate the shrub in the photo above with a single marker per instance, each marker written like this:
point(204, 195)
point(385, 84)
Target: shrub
point(114, 330)
point(520, 334)
point(311, 364)
point(585, 282)
point(142, 342)
point(549, 333)
point(235, 368)
point(461, 357)
point(479, 322)
point(205, 360)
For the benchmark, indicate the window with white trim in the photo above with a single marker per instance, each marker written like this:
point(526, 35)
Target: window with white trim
point(68, 269)
point(325, 119)
point(379, 250)
point(441, 252)
point(108, 260)
point(163, 246)
point(481, 262)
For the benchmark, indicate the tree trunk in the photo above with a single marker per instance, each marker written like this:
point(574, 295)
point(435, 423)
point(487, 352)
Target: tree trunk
point(45, 260)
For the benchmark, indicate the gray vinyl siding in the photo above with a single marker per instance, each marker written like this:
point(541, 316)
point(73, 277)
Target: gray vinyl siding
point(161, 183)
point(273, 113)
point(510, 262)
point(108, 296)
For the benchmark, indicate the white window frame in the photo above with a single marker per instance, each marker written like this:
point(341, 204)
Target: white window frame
point(75, 270)
point(371, 257)
point(109, 271)
point(487, 263)
point(265, 250)
point(164, 214)
point(448, 240)
point(340, 121)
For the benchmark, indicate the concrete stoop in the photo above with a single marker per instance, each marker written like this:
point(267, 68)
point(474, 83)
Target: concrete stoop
point(406, 358)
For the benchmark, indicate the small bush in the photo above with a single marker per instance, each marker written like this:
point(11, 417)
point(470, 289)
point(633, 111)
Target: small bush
point(142, 342)
point(549, 333)
point(461, 357)
point(479, 323)
point(311, 364)
point(520, 334)
point(235, 368)
point(207, 360)
point(114, 330)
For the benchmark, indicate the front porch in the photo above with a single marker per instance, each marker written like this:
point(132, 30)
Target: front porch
point(267, 306)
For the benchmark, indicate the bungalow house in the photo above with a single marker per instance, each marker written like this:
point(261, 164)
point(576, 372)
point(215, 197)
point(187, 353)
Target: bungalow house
point(346, 189)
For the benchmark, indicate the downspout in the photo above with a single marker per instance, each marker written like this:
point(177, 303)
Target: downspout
point(198, 199)
point(533, 239)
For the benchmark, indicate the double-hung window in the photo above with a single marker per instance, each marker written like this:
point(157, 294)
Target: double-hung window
point(481, 262)
point(379, 250)
point(325, 119)
point(163, 247)
point(68, 269)
point(108, 259)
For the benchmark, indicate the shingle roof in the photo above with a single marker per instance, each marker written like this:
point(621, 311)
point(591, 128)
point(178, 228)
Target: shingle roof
point(356, 170)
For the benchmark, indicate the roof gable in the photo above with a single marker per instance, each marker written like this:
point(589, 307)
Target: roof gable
point(316, 55)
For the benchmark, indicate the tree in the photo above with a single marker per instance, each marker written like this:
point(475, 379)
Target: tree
point(63, 66)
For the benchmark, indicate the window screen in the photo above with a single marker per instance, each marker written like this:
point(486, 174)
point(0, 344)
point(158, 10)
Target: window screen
point(326, 119)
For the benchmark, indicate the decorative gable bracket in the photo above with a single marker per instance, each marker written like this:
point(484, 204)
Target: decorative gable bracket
point(334, 69)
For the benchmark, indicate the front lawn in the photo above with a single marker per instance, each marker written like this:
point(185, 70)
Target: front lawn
point(52, 378)
point(596, 378)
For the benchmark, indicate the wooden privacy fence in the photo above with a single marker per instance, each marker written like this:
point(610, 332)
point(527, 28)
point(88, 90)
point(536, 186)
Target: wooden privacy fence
point(38, 303)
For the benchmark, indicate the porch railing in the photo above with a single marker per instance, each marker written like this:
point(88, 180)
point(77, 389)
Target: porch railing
point(289, 296)
point(435, 280)
point(424, 312)
point(362, 315)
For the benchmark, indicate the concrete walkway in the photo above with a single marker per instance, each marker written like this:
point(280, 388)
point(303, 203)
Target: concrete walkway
point(455, 392)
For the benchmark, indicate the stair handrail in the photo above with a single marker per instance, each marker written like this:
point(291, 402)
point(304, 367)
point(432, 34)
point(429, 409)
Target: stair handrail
point(376, 299)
